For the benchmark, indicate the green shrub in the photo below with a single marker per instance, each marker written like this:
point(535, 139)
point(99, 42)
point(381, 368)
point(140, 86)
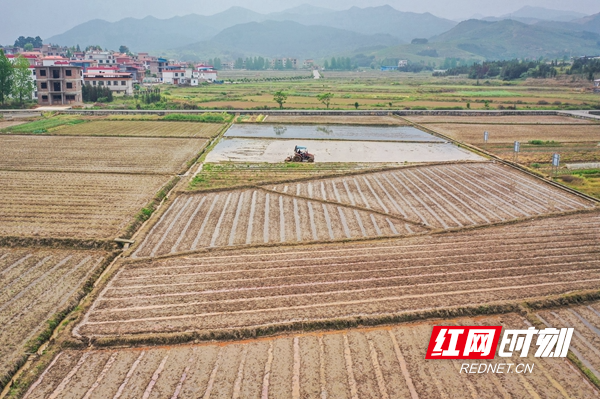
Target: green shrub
point(542, 142)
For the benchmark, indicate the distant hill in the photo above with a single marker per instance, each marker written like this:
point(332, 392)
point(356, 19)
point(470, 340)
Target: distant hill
point(153, 34)
point(512, 39)
point(378, 20)
point(543, 14)
point(590, 23)
point(282, 39)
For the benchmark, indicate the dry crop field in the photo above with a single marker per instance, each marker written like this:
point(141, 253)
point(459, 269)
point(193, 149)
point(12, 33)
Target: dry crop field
point(444, 196)
point(5, 124)
point(36, 285)
point(383, 362)
point(379, 204)
point(72, 205)
point(472, 133)
point(501, 120)
point(586, 338)
point(97, 154)
point(258, 288)
point(232, 174)
point(387, 203)
point(336, 119)
point(250, 217)
point(142, 129)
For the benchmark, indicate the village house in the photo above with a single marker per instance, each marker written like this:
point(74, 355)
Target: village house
point(58, 83)
point(173, 76)
point(101, 57)
point(117, 82)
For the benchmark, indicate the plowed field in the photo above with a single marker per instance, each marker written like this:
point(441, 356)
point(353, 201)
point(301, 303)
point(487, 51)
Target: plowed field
point(500, 120)
point(73, 205)
point(142, 129)
point(374, 363)
point(303, 285)
point(336, 119)
point(444, 196)
point(586, 338)
point(368, 205)
point(37, 284)
point(509, 133)
point(97, 154)
point(261, 217)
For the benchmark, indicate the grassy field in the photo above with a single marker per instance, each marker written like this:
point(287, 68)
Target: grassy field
point(585, 180)
point(373, 90)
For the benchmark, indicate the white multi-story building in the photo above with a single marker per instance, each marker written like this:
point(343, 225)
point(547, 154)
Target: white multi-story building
point(101, 57)
point(117, 82)
point(173, 76)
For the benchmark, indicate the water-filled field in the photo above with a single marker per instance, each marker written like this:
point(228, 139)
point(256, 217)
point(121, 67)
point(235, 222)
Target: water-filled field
point(332, 132)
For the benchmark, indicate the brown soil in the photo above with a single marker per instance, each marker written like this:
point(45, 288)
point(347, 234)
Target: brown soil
point(509, 133)
point(97, 154)
point(499, 120)
point(367, 363)
point(36, 285)
point(212, 292)
point(227, 218)
point(142, 129)
point(72, 205)
point(332, 119)
point(6, 124)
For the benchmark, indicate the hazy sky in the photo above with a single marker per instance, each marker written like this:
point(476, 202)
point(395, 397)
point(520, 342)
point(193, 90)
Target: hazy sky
point(46, 18)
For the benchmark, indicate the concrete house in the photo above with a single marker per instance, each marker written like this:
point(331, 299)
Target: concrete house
point(59, 84)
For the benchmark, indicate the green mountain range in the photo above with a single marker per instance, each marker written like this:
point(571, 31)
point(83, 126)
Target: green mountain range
point(377, 32)
point(281, 39)
point(512, 39)
point(152, 34)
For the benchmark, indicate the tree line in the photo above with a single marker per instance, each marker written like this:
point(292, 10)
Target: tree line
point(29, 42)
point(339, 64)
point(16, 81)
point(585, 66)
point(101, 94)
point(506, 70)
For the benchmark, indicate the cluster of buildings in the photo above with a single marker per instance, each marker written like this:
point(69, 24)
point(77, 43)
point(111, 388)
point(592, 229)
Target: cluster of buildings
point(59, 73)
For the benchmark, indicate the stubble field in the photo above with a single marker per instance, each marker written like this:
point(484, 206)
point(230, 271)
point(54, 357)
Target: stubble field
point(72, 205)
point(277, 287)
point(142, 129)
point(501, 120)
point(36, 285)
point(472, 133)
point(367, 363)
point(97, 154)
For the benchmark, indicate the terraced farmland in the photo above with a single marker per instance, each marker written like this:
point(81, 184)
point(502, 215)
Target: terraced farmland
point(97, 154)
point(142, 129)
point(36, 285)
point(444, 196)
point(255, 289)
point(375, 363)
point(72, 205)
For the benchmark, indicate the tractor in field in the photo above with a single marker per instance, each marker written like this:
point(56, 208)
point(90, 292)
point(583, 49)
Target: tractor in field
point(301, 154)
